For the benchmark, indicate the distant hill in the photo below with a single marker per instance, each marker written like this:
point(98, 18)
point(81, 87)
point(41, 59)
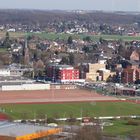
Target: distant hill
point(44, 17)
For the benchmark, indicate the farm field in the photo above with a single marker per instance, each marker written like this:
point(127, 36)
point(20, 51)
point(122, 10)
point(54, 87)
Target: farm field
point(30, 111)
point(12, 34)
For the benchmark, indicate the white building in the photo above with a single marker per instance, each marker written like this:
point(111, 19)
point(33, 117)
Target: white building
point(4, 72)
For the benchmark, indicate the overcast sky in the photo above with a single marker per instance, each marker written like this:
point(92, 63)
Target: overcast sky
point(107, 5)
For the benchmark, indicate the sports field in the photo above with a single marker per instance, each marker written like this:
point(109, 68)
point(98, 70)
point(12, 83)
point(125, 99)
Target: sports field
point(52, 96)
point(64, 103)
point(28, 111)
point(68, 103)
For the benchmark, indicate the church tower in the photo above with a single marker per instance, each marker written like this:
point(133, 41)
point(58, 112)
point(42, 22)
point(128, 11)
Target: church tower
point(26, 53)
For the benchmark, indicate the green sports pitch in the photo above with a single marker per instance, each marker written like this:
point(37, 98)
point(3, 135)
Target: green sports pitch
point(92, 109)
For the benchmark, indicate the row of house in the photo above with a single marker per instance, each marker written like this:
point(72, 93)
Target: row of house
point(86, 71)
point(90, 72)
point(93, 72)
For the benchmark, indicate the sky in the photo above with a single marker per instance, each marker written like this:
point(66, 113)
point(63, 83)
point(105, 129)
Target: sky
point(106, 5)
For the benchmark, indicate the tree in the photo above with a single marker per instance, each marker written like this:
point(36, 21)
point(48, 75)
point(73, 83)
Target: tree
point(6, 43)
point(56, 52)
point(26, 56)
point(6, 58)
point(87, 38)
point(88, 133)
point(39, 65)
point(29, 37)
point(71, 58)
point(70, 40)
point(39, 68)
point(85, 49)
point(121, 49)
point(64, 60)
point(101, 40)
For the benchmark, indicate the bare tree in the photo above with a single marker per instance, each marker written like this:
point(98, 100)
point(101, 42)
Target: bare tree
point(88, 133)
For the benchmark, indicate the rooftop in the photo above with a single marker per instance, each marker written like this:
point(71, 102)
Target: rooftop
point(21, 130)
point(61, 66)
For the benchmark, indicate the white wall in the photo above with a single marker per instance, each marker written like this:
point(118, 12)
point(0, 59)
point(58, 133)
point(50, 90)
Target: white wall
point(11, 87)
point(26, 87)
point(36, 86)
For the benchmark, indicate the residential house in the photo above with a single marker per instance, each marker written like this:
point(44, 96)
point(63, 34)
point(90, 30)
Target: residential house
point(134, 56)
point(130, 74)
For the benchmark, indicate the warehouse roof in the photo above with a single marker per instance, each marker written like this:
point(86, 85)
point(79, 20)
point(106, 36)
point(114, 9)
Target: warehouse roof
point(20, 129)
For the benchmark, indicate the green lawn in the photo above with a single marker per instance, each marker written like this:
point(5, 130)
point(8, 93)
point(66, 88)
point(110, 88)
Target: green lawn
point(71, 109)
point(3, 50)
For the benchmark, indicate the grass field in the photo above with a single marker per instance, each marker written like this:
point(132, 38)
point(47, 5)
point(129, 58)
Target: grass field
point(19, 111)
point(38, 111)
point(121, 128)
point(64, 36)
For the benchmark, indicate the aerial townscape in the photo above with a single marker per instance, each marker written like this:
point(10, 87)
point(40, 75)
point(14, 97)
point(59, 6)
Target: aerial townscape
point(68, 74)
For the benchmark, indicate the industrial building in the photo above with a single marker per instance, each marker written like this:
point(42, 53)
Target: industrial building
point(20, 131)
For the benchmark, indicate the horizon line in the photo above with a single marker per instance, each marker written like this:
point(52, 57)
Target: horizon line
point(94, 10)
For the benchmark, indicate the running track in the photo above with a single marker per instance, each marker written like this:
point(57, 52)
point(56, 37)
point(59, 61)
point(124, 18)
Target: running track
point(52, 96)
point(55, 96)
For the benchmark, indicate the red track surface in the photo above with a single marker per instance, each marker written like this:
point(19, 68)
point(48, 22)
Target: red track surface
point(52, 96)
point(3, 117)
point(56, 96)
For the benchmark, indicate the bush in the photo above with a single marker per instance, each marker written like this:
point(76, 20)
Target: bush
point(51, 120)
point(23, 121)
point(71, 120)
point(133, 122)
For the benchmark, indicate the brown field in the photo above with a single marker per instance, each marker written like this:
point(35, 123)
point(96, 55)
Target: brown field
point(12, 34)
point(52, 96)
